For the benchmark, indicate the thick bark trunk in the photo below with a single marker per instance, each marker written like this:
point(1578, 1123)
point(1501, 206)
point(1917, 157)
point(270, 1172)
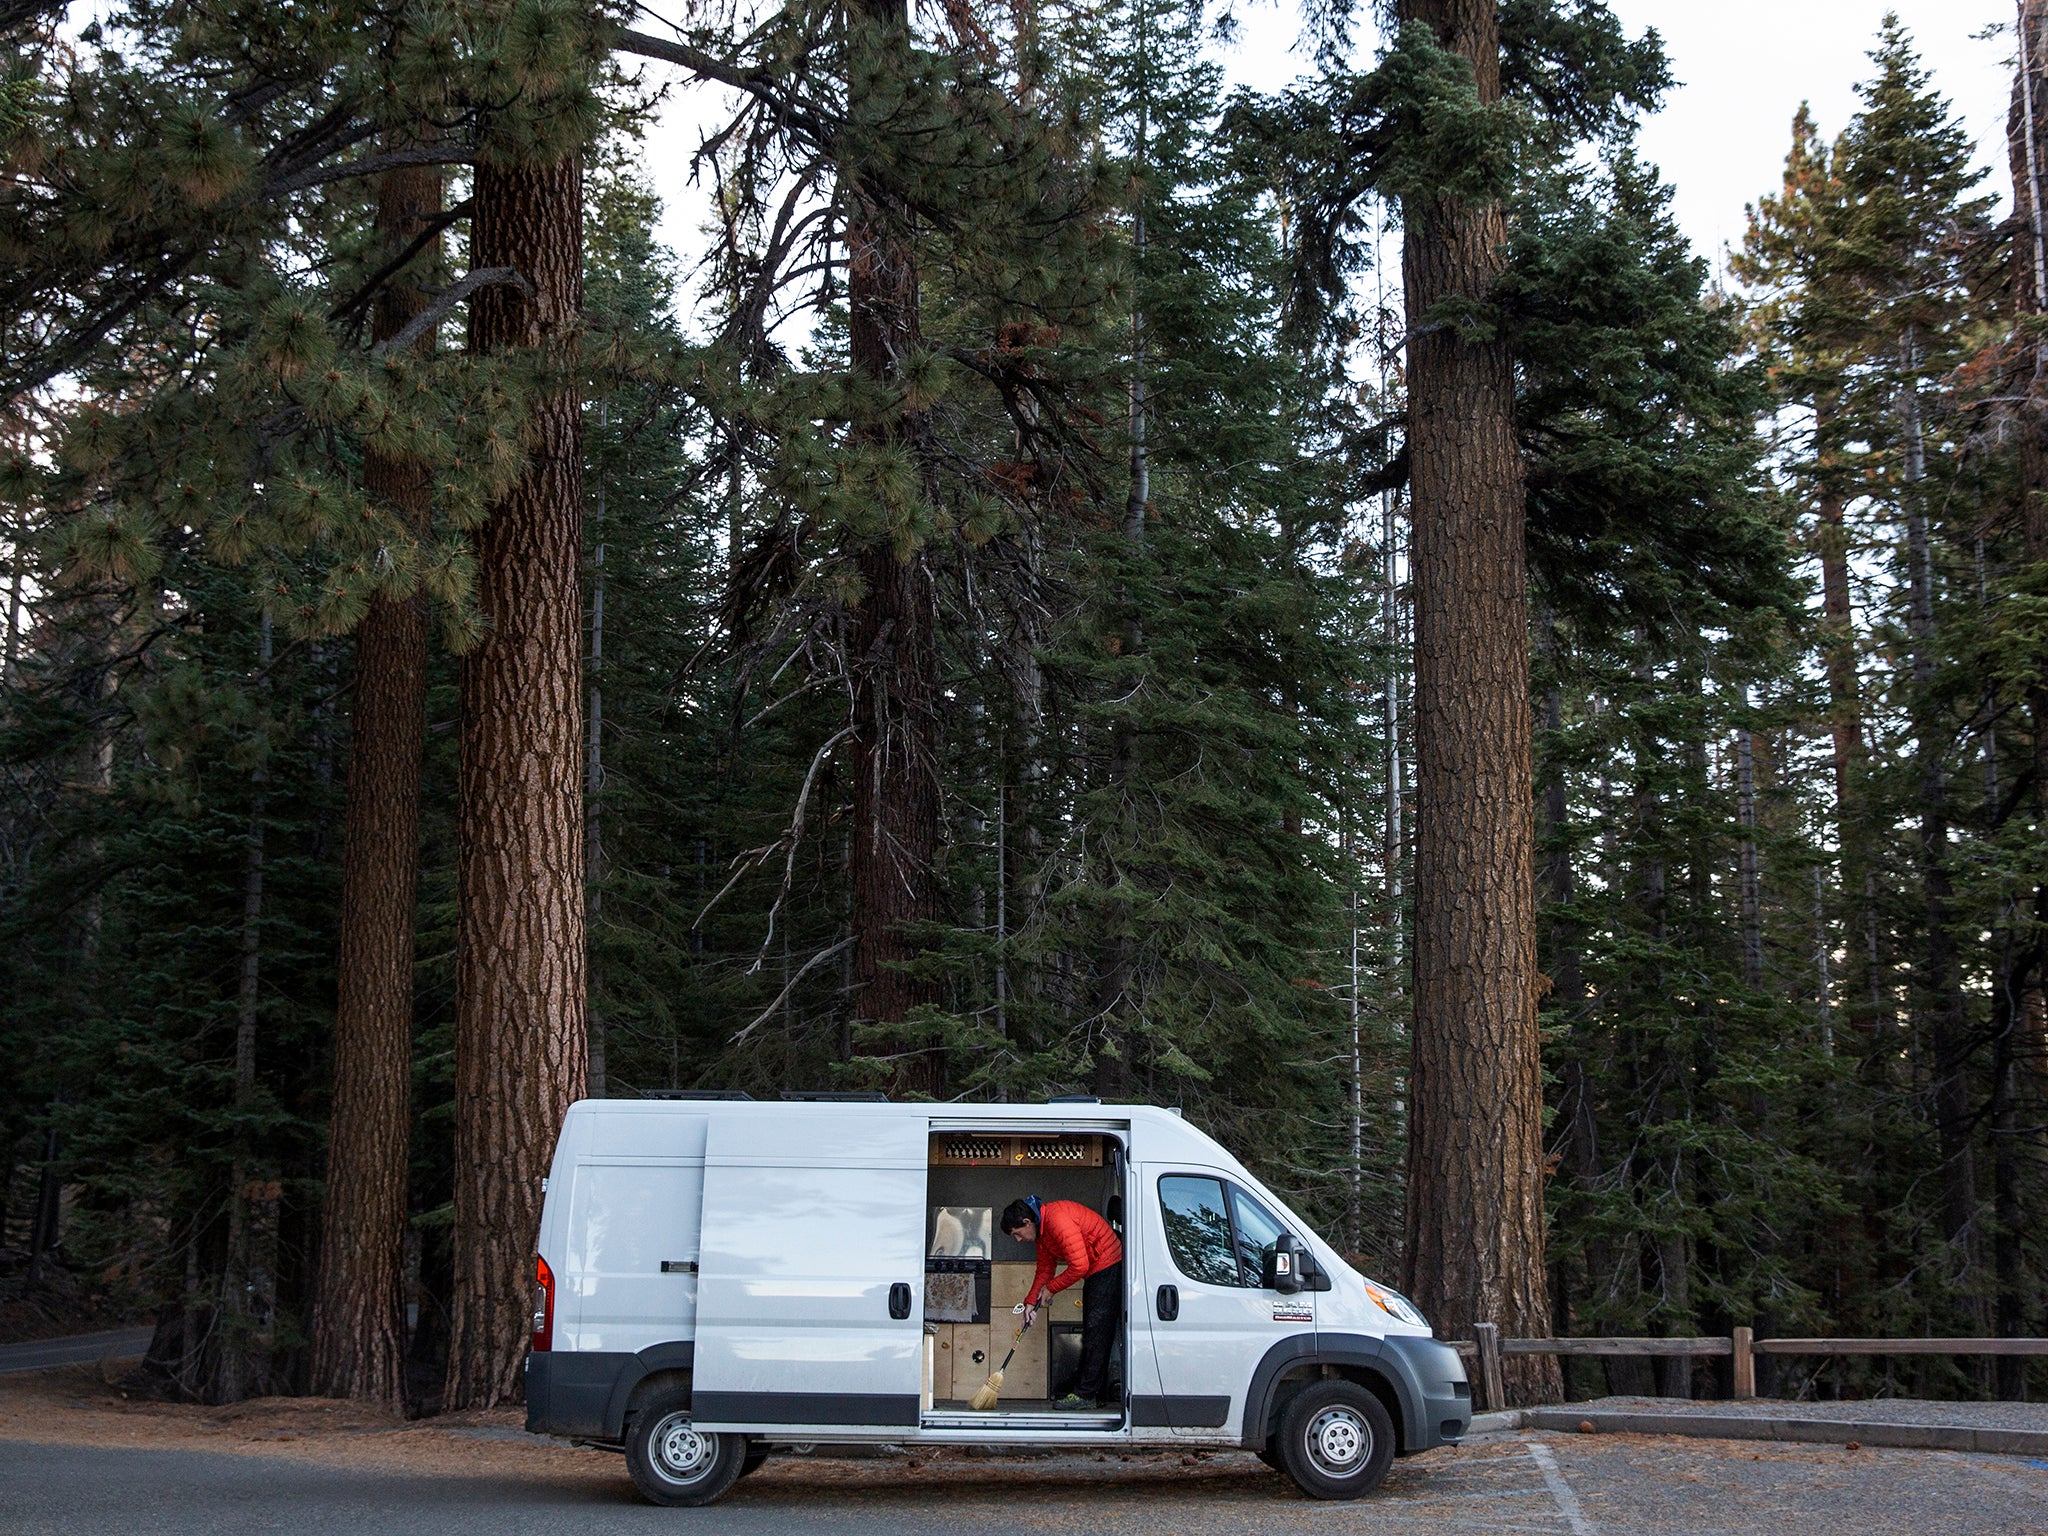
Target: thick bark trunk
point(1475, 1232)
point(2013, 1003)
point(520, 1038)
point(893, 636)
point(359, 1309)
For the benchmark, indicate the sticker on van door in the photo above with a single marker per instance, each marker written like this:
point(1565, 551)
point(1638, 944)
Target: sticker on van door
point(1284, 1312)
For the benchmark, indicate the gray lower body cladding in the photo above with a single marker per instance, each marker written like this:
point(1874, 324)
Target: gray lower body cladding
point(1427, 1377)
point(1442, 1394)
point(582, 1394)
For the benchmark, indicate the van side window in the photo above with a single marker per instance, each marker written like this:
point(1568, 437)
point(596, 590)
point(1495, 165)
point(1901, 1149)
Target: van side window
point(1257, 1232)
point(1198, 1229)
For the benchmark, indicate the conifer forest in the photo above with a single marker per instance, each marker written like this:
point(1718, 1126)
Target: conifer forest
point(1313, 607)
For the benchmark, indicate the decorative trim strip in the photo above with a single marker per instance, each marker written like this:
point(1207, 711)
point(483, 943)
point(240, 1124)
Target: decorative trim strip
point(850, 1408)
point(1180, 1412)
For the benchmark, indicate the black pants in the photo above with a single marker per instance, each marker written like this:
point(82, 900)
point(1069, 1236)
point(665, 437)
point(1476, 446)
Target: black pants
point(1102, 1315)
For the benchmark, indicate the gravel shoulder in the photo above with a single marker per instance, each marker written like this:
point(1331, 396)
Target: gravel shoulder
point(1870, 1410)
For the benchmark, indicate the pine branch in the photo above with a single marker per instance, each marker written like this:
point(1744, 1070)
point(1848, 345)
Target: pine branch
point(789, 986)
point(447, 299)
point(369, 165)
point(363, 295)
point(757, 83)
point(1390, 476)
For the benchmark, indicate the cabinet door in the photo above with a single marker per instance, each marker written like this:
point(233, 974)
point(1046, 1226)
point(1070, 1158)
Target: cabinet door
point(1204, 1244)
point(800, 1273)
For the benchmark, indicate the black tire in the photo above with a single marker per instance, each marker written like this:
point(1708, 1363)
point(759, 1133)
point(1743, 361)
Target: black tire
point(756, 1454)
point(1271, 1458)
point(1336, 1440)
point(672, 1463)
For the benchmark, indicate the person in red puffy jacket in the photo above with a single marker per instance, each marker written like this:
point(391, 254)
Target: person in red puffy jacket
point(1068, 1233)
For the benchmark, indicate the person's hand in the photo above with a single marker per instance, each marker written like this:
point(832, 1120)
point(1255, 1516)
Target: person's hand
point(1030, 1315)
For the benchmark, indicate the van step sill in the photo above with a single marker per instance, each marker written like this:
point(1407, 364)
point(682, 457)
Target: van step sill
point(1045, 1420)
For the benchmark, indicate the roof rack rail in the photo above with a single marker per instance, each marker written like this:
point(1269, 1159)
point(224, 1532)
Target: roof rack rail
point(1074, 1098)
point(824, 1096)
point(697, 1093)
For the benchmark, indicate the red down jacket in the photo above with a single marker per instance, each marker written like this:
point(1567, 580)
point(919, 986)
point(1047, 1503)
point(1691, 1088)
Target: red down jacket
point(1071, 1234)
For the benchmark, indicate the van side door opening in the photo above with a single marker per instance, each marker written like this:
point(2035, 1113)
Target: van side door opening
point(976, 1275)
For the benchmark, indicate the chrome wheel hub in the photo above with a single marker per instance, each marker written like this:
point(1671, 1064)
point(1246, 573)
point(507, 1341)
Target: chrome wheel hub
point(1338, 1442)
point(680, 1453)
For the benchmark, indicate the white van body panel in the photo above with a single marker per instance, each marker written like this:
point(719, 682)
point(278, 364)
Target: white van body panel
point(755, 1246)
point(799, 1259)
point(1213, 1347)
point(630, 1218)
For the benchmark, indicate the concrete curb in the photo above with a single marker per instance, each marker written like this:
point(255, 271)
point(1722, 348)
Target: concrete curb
point(1735, 1426)
point(1495, 1423)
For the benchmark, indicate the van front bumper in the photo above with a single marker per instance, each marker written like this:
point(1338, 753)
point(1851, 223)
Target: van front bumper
point(1437, 1389)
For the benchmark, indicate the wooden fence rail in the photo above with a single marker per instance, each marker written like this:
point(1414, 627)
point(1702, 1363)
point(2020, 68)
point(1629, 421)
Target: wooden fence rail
point(1742, 1345)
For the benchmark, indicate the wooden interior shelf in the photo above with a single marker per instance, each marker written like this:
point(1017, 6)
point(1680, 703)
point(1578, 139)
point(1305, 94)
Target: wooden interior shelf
point(969, 1150)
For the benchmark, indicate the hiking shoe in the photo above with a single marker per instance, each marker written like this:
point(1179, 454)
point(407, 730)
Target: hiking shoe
point(1073, 1402)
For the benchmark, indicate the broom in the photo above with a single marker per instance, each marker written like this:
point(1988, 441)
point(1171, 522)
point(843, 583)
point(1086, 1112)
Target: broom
point(986, 1394)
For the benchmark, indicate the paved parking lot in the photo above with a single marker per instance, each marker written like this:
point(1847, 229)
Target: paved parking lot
point(1557, 1485)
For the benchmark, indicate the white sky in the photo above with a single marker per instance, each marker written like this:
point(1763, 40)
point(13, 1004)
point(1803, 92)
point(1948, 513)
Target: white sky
point(1743, 66)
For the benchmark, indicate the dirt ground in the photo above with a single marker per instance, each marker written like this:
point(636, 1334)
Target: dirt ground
point(86, 1405)
point(338, 1459)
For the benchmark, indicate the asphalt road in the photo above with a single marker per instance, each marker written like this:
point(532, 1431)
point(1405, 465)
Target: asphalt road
point(1533, 1485)
point(79, 1349)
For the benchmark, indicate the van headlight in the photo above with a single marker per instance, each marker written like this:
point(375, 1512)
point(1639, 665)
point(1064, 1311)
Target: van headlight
point(1395, 1305)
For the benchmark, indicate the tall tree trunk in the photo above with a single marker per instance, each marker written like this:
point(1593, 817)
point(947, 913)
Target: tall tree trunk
point(1750, 866)
point(893, 635)
point(1113, 1004)
point(1475, 1238)
point(1838, 619)
point(520, 1034)
point(1943, 989)
point(359, 1337)
point(1579, 1126)
point(242, 1357)
point(2027, 144)
point(593, 780)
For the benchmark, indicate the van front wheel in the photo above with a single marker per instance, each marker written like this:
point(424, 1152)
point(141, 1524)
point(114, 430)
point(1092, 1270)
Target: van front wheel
point(675, 1463)
point(1336, 1440)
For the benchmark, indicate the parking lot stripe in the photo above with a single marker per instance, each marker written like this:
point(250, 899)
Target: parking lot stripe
point(1560, 1490)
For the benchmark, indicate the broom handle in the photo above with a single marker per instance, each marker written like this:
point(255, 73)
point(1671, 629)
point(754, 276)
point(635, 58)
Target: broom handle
point(1006, 1362)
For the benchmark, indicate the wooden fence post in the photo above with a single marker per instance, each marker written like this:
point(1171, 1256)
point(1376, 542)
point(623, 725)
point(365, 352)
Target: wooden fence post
point(1742, 1360)
point(1488, 1335)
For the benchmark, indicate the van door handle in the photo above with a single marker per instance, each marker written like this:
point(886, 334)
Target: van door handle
point(899, 1301)
point(1169, 1303)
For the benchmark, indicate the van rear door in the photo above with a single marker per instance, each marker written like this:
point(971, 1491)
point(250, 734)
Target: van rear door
point(813, 1244)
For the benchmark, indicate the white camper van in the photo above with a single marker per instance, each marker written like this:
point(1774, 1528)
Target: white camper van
point(719, 1276)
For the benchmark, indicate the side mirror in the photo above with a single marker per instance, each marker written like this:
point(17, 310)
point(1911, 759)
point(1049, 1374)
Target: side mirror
point(1283, 1265)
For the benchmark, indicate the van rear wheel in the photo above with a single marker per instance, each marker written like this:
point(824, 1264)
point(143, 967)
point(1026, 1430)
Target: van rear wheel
point(675, 1463)
point(1336, 1440)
